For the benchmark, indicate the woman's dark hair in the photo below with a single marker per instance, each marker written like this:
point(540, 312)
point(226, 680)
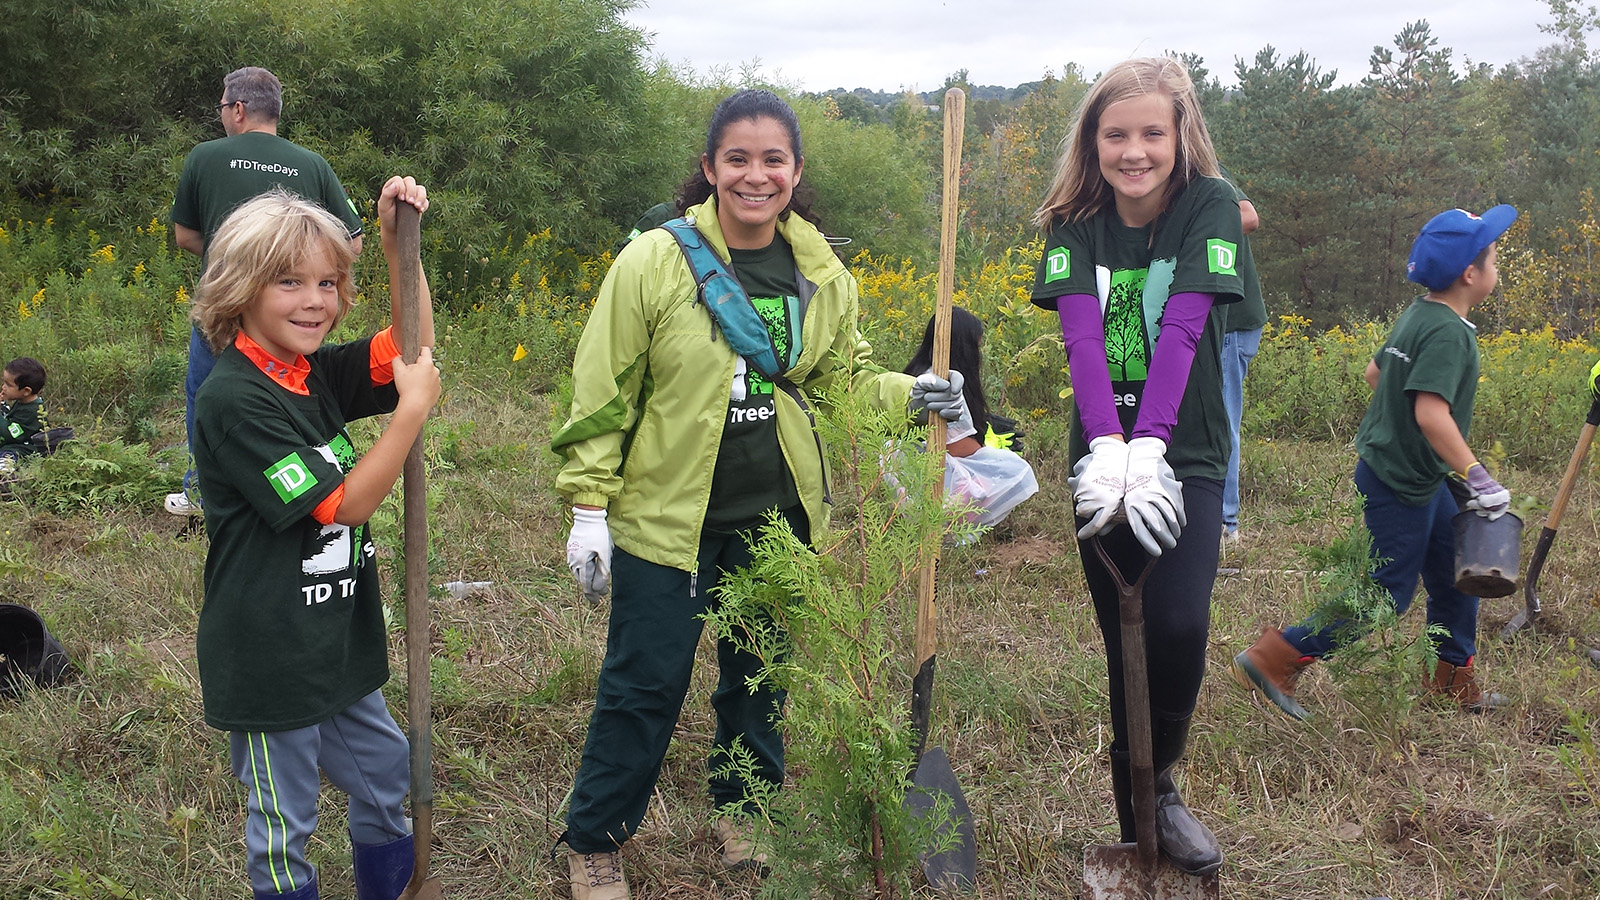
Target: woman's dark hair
point(966, 357)
point(748, 106)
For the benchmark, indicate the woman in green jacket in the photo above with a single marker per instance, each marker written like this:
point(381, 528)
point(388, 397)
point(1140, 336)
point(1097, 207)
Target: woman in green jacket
point(676, 448)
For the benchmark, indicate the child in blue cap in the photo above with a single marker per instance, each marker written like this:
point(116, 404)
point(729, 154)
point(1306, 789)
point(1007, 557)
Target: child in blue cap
point(1414, 435)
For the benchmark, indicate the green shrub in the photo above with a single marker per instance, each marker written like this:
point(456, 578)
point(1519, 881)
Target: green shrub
point(100, 477)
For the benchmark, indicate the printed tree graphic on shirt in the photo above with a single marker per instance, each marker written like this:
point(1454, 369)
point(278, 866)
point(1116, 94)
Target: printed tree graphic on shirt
point(773, 311)
point(1127, 350)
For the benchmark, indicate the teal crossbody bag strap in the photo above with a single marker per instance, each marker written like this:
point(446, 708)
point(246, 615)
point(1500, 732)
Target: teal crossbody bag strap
point(725, 298)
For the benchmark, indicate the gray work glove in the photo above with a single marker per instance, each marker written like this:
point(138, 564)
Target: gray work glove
point(1154, 499)
point(930, 393)
point(1098, 482)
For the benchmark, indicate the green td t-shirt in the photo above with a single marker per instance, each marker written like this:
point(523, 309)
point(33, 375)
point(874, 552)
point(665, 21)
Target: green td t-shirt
point(1429, 349)
point(291, 630)
point(1249, 313)
point(20, 421)
point(751, 475)
point(1192, 247)
point(221, 174)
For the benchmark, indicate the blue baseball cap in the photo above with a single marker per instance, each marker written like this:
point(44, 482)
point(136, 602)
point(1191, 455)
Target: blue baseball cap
point(1451, 241)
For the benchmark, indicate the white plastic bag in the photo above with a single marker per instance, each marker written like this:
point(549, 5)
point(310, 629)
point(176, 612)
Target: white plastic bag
point(991, 479)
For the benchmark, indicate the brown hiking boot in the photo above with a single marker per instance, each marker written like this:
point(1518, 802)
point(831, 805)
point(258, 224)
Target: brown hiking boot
point(1461, 685)
point(597, 876)
point(738, 851)
point(1271, 666)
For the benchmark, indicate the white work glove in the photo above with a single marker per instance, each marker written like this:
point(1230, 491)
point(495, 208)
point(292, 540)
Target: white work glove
point(1489, 497)
point(934, 394)
point(589, 552)
point(1098, 482)
point(1154, 498)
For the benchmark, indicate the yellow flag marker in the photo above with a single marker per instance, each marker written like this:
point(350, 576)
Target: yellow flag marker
point(518, 353)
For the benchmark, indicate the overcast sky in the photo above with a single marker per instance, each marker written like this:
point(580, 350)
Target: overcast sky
point(895, 44)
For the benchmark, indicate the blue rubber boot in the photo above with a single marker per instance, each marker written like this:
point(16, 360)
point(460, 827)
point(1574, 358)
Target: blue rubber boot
point(382, 870)
point(309, 892)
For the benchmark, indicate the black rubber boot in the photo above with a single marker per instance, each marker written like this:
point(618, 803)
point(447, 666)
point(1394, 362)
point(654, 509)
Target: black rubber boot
point(1184, 839)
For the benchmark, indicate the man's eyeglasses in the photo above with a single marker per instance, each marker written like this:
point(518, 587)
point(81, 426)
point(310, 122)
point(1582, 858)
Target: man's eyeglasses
point(227, 103)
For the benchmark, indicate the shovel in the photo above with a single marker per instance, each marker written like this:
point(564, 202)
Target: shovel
point(932, 780)
point(1529, 614)
point(408, 223)
point(1137, 871)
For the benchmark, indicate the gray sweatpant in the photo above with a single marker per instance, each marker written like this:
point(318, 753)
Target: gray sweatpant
point(364, 754)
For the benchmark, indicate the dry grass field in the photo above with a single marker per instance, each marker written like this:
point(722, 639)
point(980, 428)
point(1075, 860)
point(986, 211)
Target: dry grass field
point(113, 786)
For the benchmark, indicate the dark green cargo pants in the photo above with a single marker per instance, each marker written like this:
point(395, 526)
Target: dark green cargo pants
point(650, 647)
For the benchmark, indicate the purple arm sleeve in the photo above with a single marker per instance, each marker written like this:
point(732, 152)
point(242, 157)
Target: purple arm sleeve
point(1181, 323)
point(1083, 330)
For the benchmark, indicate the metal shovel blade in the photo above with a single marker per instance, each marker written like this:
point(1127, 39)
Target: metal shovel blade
point(956, 868)
point(1113, 872)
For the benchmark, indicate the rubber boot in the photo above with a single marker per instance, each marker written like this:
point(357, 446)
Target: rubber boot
point(382, 871)
point(309, 892)
point(1184, 839)
point(1271, 665)
point(1460, 683)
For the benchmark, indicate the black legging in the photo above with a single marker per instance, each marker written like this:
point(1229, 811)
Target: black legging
point(1177, 606)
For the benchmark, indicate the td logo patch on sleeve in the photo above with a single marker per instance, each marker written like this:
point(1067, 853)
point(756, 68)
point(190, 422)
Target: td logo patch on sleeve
point(1220, 256)
point(1057, 265)
point(290, 477)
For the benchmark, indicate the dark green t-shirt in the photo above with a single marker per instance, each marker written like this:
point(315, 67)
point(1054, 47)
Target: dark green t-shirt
point(751, 475)
point(1249, 313)
point(291, 631)
point(20, 421)
point(1429, 349)
point(1193, 247)
point(221, 174)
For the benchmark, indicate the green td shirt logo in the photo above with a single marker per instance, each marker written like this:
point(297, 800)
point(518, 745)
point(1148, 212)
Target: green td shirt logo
point(290, 477)
point(1057, 265)
point(1220, 257)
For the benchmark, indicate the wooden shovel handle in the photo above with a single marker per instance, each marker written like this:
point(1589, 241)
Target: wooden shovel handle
point(927, 628)
point(408, 231)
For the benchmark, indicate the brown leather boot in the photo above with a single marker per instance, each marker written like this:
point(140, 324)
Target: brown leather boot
point(1271, 665)
point(1460, 683)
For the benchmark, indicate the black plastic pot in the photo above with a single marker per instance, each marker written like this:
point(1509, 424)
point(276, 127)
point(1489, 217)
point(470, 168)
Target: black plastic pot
point(1488, 554)
point(28, 653)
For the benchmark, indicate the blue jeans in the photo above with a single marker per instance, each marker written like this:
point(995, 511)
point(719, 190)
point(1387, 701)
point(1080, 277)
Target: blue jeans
point(1417, 540)
point(1238, 348)
point(201, 362)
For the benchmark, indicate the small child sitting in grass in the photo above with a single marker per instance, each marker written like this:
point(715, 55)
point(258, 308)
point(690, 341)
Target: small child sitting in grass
point(21, 410)
point(291, 644)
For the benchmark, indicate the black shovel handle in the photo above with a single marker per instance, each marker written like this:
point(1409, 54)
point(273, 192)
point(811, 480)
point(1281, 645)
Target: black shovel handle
point(1136, 701)
point(1558, 507)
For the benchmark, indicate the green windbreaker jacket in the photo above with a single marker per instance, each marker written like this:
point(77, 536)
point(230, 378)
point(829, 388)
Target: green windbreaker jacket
point(651, 381)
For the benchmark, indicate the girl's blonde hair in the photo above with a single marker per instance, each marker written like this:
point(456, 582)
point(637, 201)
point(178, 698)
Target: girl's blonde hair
point(258, 242)
point(1078, 190)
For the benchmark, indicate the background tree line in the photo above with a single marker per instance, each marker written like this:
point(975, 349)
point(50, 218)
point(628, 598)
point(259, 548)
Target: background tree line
point(545, 117)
